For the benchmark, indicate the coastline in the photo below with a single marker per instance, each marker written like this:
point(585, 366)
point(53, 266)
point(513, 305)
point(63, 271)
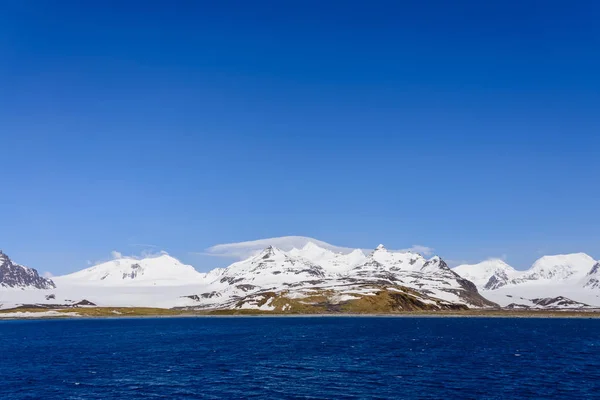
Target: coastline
point(137, 313)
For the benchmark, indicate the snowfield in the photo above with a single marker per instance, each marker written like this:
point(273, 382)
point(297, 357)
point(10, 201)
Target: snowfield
point(41, 314)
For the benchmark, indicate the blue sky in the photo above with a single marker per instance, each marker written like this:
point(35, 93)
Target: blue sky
point(463, 126)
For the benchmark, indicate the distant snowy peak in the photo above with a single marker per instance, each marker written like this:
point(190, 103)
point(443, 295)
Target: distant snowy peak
point(396, 261)
point(382, 262)
point(564, 269)
point(160, 270)
point(311, 251)
point(435, 265)
point(330, 261)
point(271, 260)
point(18, 276)
point(559, 267)
point(271, 267)
point(489, 275)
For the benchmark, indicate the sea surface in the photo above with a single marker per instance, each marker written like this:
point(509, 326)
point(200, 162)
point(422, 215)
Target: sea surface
point(304, 358)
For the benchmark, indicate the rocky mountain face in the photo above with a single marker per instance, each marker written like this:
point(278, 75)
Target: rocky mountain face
point(18, 276)
point(592, 279)
point(553, 282)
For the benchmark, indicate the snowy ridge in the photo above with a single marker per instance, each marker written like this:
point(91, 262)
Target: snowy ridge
point(330, 261)
point(567, 279)
point(558, 268)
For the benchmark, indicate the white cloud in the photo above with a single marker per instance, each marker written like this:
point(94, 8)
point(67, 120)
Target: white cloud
point(456, 263)
point(242, 250)
point(48, 274)
point(116, 254)
point(149, 253)
point(417, 248)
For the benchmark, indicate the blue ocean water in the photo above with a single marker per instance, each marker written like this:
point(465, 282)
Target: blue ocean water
point(312, 358)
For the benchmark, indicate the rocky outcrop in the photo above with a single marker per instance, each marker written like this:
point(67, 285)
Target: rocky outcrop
point(592, 279)
point(548, 303)
point(499, 279)
point(18, 276)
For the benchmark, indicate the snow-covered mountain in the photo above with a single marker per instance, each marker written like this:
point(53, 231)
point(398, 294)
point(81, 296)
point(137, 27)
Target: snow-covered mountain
point(557, 281)
point(270, 269)
point(565, 267)
point(159, 270)
point(157, 281)
point(487, 275)
point(312, 275)
point(18, 276)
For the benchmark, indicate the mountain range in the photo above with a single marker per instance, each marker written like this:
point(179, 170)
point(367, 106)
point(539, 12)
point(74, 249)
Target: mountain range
point(575, 277)
point(313, 279)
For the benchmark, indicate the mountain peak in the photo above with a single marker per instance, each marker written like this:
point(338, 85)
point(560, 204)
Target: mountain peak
point(487, 266)
point(269, 251)
point(380, 248)
point(310, 245)
point(561, 266)
point(435, 264)
point(160, 269)
point(563, 258)
point(489, 274)
point(18, 276)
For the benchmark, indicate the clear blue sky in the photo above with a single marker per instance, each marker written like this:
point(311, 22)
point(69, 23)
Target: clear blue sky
point(468, 127)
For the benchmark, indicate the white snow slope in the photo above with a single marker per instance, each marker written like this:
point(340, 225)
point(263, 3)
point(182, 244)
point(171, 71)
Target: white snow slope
point(161, 270)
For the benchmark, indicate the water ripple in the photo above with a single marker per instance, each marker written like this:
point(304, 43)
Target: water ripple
point(300, 358)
